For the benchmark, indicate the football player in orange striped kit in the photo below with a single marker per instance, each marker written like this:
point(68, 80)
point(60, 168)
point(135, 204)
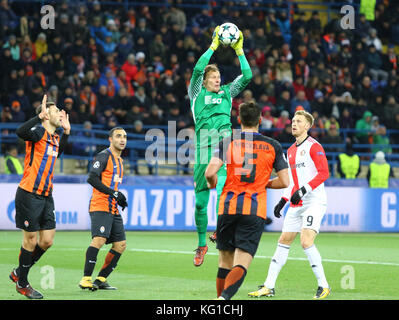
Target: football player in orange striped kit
point(105, 176)
point(34, 204)
point(250, 159)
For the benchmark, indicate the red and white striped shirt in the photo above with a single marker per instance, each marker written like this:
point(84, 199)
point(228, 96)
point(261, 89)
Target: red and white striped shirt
point(309, 169)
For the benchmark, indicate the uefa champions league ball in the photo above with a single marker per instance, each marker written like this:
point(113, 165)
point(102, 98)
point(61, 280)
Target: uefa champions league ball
point(228, 34)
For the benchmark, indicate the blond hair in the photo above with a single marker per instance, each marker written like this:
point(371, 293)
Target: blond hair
point(210, 68)
point(307, 116)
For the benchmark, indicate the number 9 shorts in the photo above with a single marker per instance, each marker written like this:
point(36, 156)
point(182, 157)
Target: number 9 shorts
point(304, 217)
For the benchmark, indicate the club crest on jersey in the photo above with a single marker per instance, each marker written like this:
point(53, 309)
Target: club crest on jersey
point(221, 92)
point(117, 178)
point(51, 152)
point(303, 152)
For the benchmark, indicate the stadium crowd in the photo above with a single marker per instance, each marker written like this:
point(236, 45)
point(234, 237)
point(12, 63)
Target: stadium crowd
point(107, 64)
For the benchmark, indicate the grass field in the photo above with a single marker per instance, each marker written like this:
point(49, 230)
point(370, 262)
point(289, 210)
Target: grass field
point(158, 266)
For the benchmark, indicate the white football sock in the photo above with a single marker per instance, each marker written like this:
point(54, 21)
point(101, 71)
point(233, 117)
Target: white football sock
point(278, 261)
point(317, 267)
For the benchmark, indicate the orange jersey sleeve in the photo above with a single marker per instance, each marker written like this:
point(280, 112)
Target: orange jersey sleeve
point(109, 168)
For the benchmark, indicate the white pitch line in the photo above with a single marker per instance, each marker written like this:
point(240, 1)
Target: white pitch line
point(267, 257)
point(215, 254)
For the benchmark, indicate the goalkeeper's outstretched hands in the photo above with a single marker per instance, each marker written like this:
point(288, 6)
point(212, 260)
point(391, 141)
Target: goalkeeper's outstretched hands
point(215, 39)
point(238, 46)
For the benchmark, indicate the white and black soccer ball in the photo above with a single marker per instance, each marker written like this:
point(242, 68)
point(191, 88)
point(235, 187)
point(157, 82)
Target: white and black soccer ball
point(228, 34)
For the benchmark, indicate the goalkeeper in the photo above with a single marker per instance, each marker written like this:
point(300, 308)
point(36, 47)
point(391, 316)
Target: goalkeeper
point(211, 106)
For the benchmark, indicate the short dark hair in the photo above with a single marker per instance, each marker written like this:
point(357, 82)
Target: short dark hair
point(249, 113)
point(111, 132)
point(48, 105)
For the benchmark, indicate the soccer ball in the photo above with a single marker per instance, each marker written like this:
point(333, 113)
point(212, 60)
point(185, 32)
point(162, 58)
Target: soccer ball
point(228, 34)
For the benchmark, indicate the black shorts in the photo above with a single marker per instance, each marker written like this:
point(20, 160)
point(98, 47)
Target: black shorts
point(107, 225)
point(239, 231)
point(34, 212)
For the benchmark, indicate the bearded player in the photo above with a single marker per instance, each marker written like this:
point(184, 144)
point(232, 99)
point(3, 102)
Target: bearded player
point(211, 105)
point(34, 203)
point(105, 176)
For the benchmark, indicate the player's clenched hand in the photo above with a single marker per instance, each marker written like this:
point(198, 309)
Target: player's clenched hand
point(120, 199)
point(278, 207)
point(297, 196)
point(238, 46)
point(215, 39)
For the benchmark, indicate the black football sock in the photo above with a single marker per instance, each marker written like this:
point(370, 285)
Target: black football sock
point(110, 263)
point(91, 259)
point(36, 254)
point(25, 262)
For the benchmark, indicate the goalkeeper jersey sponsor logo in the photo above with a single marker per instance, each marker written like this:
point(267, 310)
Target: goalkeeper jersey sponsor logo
point(212, 100)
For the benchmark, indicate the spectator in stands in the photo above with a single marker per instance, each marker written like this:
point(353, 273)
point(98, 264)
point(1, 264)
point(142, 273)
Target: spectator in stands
point(375, 65)
point(14, 47)
point(332, 137)
point(83, 147)
point(12, 163)
point(346, 120)
point(70, 110)
point(6, 115)
point(282, 121)
point(364, 125)
point(130, 67)
point(390, 108)
point(155, 117)
point(317, 129)
point(139, 153)
point(379, 172)
point(17, 114)
point(348, 163)
point(381, 140)
point(268, 121)
point(374, 40)
point(300, 100)
point(286, 135)
point(365, 91)
point(332, 120)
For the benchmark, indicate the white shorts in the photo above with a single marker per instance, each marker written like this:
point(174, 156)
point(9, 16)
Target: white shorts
point(305, 217)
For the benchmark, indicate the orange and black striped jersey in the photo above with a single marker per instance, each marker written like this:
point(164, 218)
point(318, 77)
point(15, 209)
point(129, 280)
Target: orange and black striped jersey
point(250, 158)
point(108, 167)
point(42, 149)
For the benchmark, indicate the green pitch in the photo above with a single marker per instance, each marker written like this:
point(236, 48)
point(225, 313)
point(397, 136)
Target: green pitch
point(158, 266)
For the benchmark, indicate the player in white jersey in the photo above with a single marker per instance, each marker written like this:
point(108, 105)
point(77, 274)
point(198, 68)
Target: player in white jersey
point(308, 203)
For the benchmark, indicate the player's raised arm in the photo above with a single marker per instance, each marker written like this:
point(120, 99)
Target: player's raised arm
point(67, 130)
point(195, 85)
point(244, 79)
point(27, 130)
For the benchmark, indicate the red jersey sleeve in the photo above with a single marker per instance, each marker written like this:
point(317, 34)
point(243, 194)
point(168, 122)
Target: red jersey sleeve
point(320, 160)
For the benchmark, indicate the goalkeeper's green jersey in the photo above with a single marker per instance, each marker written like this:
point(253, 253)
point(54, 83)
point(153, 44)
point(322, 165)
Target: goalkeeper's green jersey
point(212, 110)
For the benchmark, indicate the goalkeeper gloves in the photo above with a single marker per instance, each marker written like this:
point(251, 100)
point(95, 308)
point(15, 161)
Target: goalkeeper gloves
point(297, 196)
point(238, 46)
point(120, 199)
point(278, 207)
point(215, 39)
